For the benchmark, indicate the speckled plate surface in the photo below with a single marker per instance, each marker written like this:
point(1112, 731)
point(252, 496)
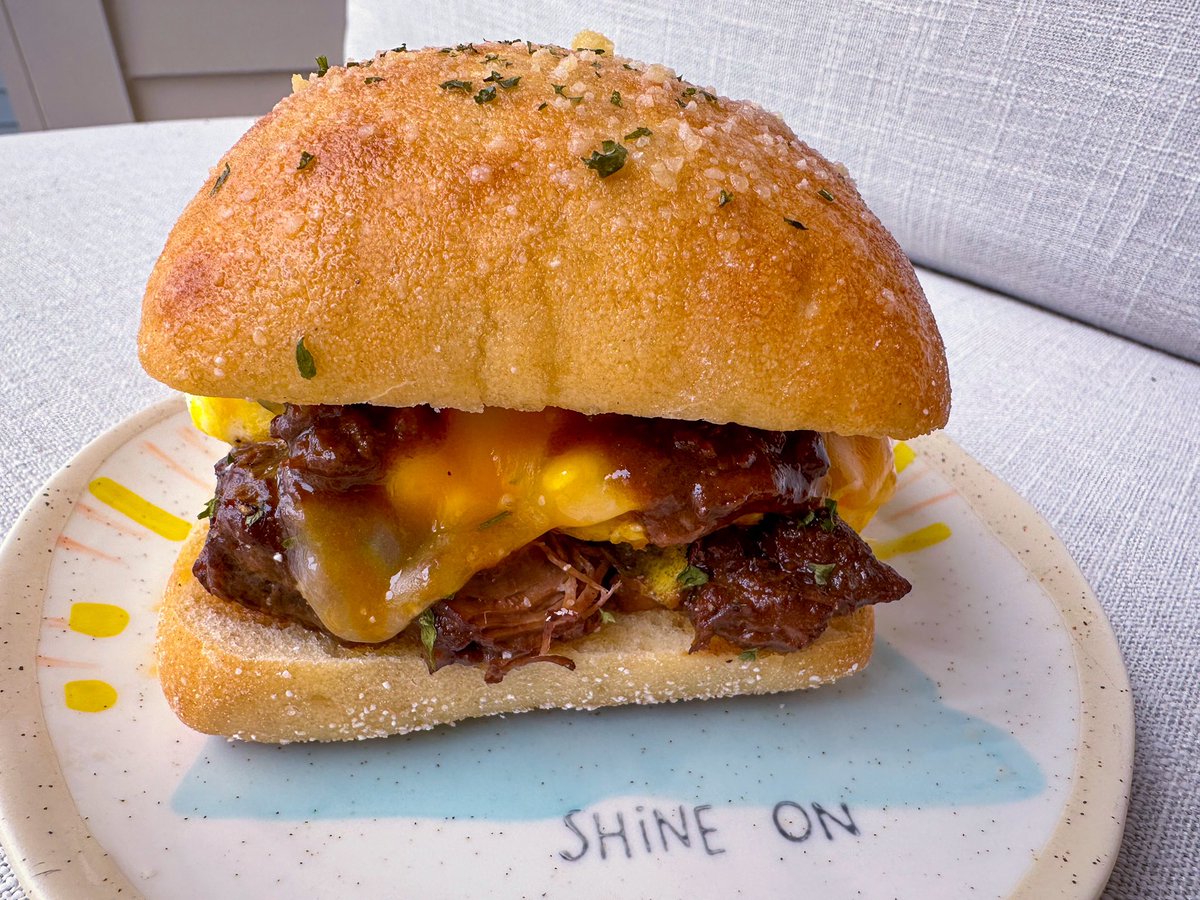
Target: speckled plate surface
point(985, 752)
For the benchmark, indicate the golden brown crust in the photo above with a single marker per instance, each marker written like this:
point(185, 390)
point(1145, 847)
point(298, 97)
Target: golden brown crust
point(440, 250)
point(230, 671)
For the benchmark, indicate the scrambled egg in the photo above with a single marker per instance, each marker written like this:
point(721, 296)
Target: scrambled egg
point(231, 421)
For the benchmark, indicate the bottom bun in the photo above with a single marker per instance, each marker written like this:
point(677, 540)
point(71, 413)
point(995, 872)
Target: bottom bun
point(231, 671)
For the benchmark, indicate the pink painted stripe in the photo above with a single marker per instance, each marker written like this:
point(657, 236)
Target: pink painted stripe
point(157, 452)
point(54, 662)
point(96, 515)
point(904, 482)
point(188, 433)
point(71, 544)
point(921, 505)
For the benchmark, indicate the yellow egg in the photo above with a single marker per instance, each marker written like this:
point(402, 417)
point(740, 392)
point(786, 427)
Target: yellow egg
point(579, 485)
point(232, 421)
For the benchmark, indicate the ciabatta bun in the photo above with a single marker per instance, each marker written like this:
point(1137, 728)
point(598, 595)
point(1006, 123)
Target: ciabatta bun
point(231, 671)
point(445, 247)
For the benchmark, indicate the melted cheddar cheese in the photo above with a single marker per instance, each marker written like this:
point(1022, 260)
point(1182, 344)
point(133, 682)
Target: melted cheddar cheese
point(368, 563)
point(490, 486)
point(862, 476)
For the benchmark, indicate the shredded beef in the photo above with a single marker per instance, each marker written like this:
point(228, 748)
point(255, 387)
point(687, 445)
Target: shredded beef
point(769, 586)
point(507, 616)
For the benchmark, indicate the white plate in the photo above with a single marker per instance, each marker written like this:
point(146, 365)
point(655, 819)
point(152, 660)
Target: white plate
point(985, 752)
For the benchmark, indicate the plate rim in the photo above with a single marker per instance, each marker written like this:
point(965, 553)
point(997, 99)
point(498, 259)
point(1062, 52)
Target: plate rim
point(44, 867)
point(51, 868)
point(1098, 802)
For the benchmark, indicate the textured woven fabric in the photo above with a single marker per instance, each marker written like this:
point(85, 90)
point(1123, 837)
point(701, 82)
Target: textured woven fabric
point(1102, 435)
point(1050, 150)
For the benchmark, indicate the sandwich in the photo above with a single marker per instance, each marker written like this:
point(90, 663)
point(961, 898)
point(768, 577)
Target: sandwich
point(550, 380)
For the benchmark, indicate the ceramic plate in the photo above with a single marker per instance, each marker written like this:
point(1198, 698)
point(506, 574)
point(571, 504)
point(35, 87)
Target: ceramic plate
point(985, 752)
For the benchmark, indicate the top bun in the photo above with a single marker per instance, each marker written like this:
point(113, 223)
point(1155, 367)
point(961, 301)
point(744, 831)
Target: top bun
point(445, 241)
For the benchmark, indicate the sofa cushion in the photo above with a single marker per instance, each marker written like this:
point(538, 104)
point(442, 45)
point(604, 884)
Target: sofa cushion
point(1102, 436)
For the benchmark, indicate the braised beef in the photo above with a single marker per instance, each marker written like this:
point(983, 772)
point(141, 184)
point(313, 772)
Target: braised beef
point(507, 616)
point(243, 557)
point(701, 476)
point(336, 448)
point(777, 584)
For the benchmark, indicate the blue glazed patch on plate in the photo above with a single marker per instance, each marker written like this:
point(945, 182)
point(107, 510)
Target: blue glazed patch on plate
point(881, 739)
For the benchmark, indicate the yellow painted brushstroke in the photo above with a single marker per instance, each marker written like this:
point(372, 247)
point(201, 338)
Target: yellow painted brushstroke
point(904, 455)
point(911, 542)
point(141, 510)
point(90, 695)
point(99, 620)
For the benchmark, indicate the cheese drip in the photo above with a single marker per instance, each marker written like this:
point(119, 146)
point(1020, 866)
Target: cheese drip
point(491, 485)
point(862, 476)
point(370, 560)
